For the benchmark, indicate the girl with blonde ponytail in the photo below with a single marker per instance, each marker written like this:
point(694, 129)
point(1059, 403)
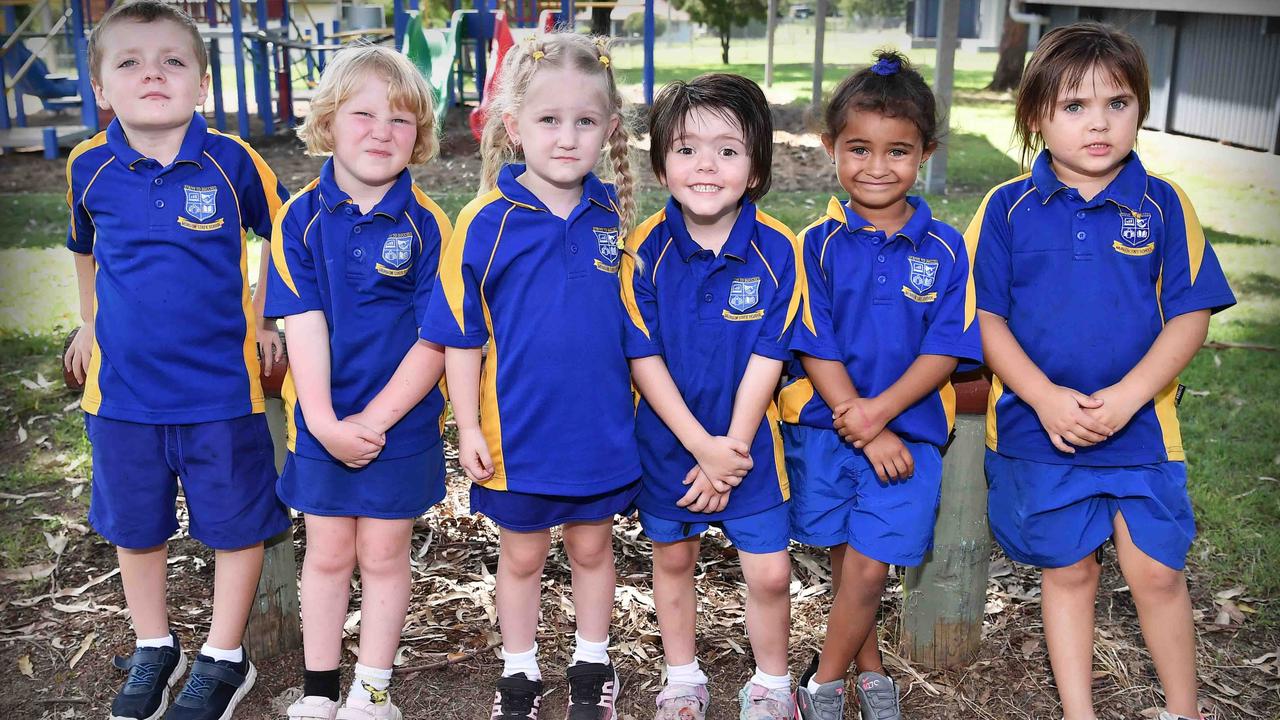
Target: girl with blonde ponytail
point(546, 422)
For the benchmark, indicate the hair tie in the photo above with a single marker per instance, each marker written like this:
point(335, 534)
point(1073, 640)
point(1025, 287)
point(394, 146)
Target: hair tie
point(604, 60)
point(538, 55)
point(886, 67)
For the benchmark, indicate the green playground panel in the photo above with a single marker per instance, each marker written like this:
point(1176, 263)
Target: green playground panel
point(433, 51)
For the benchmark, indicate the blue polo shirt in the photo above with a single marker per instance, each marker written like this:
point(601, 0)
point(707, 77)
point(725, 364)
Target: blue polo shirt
point(174, 327)
point(876, 303)
point(371, 275)
point(706, 315)
point(1086, 286)
point(555, 390)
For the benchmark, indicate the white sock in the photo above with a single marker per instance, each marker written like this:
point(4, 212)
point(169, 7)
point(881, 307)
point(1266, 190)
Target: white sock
point(522, 662)
point(234, 656)
point(369, 686)
point(813, 685)
point(586, 651)
point(166, 641)
point(690, 674)
point(772, 682)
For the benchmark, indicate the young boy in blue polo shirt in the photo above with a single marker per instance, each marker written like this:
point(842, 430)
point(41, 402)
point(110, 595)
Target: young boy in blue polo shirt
point(159, 208)
point(1094, 287)
point(888, 314)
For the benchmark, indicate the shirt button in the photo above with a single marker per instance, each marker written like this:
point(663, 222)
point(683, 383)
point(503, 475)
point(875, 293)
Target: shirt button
point(1080, 215)
point(882, 279)
point(573, 249)
point(357, 252)
point(159, 203)
point(875, 241)
point(159, 181)
point(350, 211)
point(1081, 235)
point(358, 229)
point(880, 258)
point(707, 297)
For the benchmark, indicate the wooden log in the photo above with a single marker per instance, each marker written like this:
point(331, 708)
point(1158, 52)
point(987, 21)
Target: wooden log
point(941, 624)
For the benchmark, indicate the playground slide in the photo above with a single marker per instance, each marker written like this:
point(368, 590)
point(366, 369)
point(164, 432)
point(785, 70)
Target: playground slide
point(433, 50)
point(54, 93)
point(501, 43)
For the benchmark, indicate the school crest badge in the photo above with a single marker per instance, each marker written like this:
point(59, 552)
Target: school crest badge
point(1135, 232)
point(924, 272)
point(202, 202)
point(744, 293)
point(397, 249)
point(607, 243)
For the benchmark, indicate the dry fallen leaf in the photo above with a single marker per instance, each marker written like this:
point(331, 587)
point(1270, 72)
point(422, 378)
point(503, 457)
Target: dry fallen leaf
point(28, 572)
point(84, 647)
point(24, 666)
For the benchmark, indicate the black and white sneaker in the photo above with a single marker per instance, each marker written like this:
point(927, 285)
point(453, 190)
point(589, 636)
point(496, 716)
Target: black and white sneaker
point(213, 689)
point(593, 692)
point(517, 697)
point(152, 671)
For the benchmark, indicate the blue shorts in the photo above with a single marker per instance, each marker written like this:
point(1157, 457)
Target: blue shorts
point(525, 512)
point(764, 532)
point(387, 488)
point(836, 497)
point(1051, 515)
point(228, 476)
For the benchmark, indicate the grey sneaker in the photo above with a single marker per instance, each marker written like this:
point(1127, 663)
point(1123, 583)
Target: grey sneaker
point(877, 697)
point(761, 703)
point(682, 702)
point(825, 704)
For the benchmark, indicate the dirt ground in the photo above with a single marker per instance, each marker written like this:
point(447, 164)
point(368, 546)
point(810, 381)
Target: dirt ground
point(58, 633)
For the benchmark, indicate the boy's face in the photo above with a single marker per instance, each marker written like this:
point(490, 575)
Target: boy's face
point(372, 141)
point(708, 166)
point(149, 75)
point(1091, 131)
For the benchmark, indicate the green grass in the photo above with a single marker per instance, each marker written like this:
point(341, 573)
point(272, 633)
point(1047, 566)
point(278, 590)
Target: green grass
point(32, 220)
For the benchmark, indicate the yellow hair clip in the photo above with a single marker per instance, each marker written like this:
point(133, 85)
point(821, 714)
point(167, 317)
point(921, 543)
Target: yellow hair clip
point(538, 55)
point(604, 60)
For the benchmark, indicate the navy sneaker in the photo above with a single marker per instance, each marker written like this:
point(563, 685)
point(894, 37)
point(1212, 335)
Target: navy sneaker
point(213, 689)
point(152, 671)
point(517, 697)
point(593, 692)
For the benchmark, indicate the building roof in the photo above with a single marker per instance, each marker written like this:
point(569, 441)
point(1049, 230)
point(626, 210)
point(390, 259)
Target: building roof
point(1268, 8)
point(626, 8)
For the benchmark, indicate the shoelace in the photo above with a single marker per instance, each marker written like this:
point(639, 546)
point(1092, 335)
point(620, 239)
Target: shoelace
point(198, 686)
point(142, 675)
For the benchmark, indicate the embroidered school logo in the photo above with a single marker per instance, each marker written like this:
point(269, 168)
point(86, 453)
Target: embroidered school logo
point(202, 204)
point(396, 251)
point(744, 293)
point(608, 245)
point(923, 273)
point(1135, 230)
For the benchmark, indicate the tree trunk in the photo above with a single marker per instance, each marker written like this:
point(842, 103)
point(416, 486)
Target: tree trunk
point(724, 43)
point(600, 20)
point(1013, 55)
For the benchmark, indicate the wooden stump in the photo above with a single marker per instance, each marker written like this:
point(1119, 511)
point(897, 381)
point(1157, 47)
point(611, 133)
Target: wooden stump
point(945, 597)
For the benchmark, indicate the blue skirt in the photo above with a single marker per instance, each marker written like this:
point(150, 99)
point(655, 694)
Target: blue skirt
point(387, 488)
point(528, 511)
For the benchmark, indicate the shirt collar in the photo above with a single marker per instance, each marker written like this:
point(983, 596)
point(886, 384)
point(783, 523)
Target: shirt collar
point(593, 190)
point(1127, 189)
point(392, 204)
point(735, 246)
point(191, 150)
point(916, 229)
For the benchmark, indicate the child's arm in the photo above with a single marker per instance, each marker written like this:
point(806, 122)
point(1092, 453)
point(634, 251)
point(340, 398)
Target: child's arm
point(860, 420)
point(269, 347)
point(352, 444)
point(1061, 410)
point(462, 370)
point(1169, 355)
point(77, 358)
point(724, 460)
point(418, 372)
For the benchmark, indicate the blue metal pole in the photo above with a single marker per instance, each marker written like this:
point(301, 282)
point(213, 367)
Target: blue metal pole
point(649, 32)
point(286, 93)
point(311, 59)
point(320, 53)
point(10, 22)
point(481, 34)
point(399, 21)
point(566, 13)
point(4, 102)
point(237, 51)
point(49, 141)
point(215, 69)
point(88, 105)
point(262, 73)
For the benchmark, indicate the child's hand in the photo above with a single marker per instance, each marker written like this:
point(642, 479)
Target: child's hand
point(76, 361)
point(889, 457)
point(270, 349)
point(364, 420)
point(473, 454)
point(1118, 407)
point(1063, 414)
point(354, 445)
point(859, 420)
point(724, 460)
point(702, 496)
